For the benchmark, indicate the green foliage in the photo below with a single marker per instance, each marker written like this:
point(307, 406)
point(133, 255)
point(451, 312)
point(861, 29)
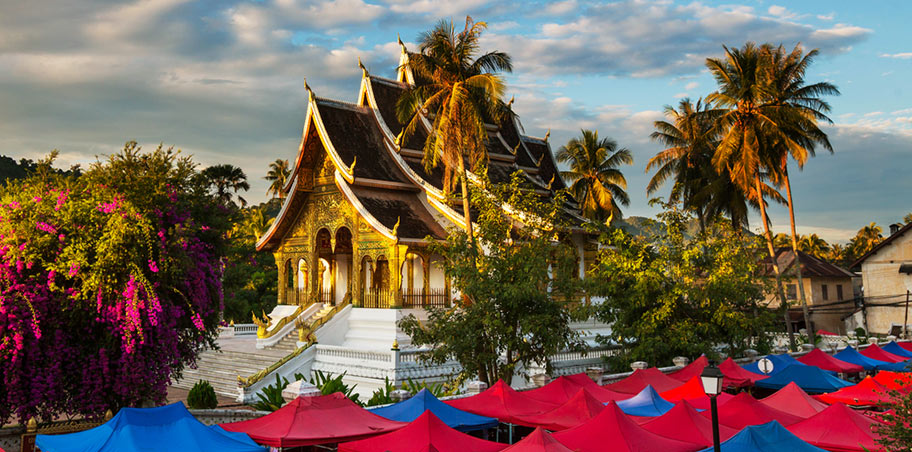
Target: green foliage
point(437, 389)
point(271, 396)
point(894, 432)
point(594, 178)
point(676, 296)
point(511, 312)
point(331, 385)
point(382, 396)
point(202, 396)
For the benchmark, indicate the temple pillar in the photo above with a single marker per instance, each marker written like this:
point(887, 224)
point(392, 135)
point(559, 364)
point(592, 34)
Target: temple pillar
point(280, 263)
point(426, 279)
point(396, 258)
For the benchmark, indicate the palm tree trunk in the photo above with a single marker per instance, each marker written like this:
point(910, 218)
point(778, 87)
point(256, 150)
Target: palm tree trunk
point(804, 305)
point(465, 202)
point(783, 303)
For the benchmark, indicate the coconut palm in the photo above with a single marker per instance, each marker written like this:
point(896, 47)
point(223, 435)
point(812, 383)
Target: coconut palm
point(457, 89)
point(907, 219)
point(867, 238)
point(814, 245)
point(781, 240)
point(594, 178)
point(749, 129)
point(226, 179)
point(278, 175)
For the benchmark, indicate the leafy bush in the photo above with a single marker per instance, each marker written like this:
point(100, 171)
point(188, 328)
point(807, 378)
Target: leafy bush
point(271, 396)
point(383, 395)
point(437, 389)
point(331, 385)
point(202, 396)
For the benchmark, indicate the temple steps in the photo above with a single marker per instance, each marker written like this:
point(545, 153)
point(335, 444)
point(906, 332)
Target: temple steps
point(221, 368)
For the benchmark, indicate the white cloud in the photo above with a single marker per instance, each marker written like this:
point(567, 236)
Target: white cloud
point(899, 56)
point(691, 85)
point(781, 12)
point(826, 17)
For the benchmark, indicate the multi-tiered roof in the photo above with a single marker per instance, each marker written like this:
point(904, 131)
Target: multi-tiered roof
point(382, 175)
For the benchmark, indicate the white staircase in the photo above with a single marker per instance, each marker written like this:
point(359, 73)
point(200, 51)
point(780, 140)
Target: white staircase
point(221, 368)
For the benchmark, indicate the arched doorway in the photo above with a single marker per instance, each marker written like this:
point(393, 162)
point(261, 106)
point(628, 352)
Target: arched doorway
point(289, 283)
point(342, 264)
point(412, 282)
point(376, 293)
point(438, 289)
point(303, 275)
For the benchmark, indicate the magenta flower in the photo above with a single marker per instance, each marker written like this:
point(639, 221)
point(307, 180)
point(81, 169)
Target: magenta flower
point(152, 266)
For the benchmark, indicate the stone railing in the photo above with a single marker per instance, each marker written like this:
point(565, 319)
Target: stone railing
point(245, 329)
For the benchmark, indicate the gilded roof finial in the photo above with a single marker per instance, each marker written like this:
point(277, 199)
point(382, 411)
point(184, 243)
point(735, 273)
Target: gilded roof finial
point(351, 169)
point(310, 94)
point(510, 104)
point(538, 163)
point(396, 226)
point(361, 65)
point(399, 138)
point(516, 148)
point(552, 181)
point(401, 45)
point(547, 134)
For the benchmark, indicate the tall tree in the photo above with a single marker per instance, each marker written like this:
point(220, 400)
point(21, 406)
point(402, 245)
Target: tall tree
point(749, 129)
point(800, 107)
point(907, 219)
point(781, 240)
point(457, 89)
point(226, 180)
point(814, 245)
point(278, 175)
point(867, 238)
point(594, 178)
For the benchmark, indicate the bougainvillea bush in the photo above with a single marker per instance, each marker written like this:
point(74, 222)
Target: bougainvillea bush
point(109, 283)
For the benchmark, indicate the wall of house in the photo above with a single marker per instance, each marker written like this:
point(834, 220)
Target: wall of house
point(883, 283)
point(813, 290)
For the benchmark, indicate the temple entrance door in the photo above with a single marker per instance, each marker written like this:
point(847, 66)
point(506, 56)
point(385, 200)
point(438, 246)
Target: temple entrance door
point(325, 262)
point(342, 265)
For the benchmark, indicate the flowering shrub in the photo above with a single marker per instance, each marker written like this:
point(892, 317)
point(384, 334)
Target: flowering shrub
point(109, 284)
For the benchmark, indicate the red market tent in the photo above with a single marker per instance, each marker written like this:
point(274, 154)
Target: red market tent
point(561, 389)
point(579, 409)
point(691, 370)
point(744, 410)
point(307, 421)
point(839, 429)
point(613, 430)
point(736, 376)
point(641, 378)
point(538, 441)
point(905, 345)
point(825, 361)
point(792, 399)
point(694, 393)
point(826, 333)
point(502, 402)
point(867, 392)
point(684, 423)
point(899, 381)
point(427, 433)
point(875, 352)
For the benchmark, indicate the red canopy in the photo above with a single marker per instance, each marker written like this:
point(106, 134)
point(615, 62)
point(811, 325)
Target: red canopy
point(580, 408)
point(792, 399)
point(502, 402)
point(613, 430)
point(744, 410)
point(694, 393)
point(641, 378)
point(867, 392)
point(840, 429)
point(826, 333)
point(905, 345)
point(736, 376)
point(424, 434)
point(875, 352)
point(307, 421)
point(684, 423)
point(691, 370)
point(561, 389)
point(899, 381)
point(538, 441)
point(825, 361)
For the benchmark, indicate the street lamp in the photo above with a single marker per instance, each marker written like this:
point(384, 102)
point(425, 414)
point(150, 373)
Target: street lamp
point(712, 385)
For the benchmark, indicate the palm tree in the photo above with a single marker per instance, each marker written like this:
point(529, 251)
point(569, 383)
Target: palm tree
point(837, 253)
point(814, 245)
point(594, 178)
point(907, 219)
point(456, 89)
point(749, 129)
point(800, 107)
point(867, 238)
point(781, 240)
point(278, 175)
point(226, 177)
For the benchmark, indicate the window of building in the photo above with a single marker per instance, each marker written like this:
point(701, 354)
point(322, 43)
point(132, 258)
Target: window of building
point(825, 292)
point(792, 292)
point(839, 291)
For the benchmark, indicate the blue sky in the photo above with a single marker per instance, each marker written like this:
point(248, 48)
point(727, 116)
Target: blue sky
point(223, 80)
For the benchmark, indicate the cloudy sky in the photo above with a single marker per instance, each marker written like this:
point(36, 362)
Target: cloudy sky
point(223, 79)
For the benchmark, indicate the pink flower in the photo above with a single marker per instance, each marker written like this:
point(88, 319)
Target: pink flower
point(42, 226)
point(152, 266)
point(36, 199)
point(198, 322)
point(74, 269)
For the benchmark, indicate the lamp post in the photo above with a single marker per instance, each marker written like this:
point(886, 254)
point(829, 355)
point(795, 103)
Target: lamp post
point(712, 385)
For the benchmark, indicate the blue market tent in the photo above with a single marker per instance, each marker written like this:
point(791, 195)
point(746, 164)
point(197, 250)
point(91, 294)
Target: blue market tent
point(780, 362)
point(850, 355)
point(242, 437)
point(166, 428)
point(896, 349)
point(809, 378)
point(410, 409)
point(769, 437)
point(646, 403)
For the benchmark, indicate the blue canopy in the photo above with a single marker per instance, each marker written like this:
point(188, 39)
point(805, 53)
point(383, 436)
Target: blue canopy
point(166, 428)
point(646, 403)
point(895, 349)
point(850, 355)
point(808, 378)
point(780, 362)
point(408, 410)
point(769, 437)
